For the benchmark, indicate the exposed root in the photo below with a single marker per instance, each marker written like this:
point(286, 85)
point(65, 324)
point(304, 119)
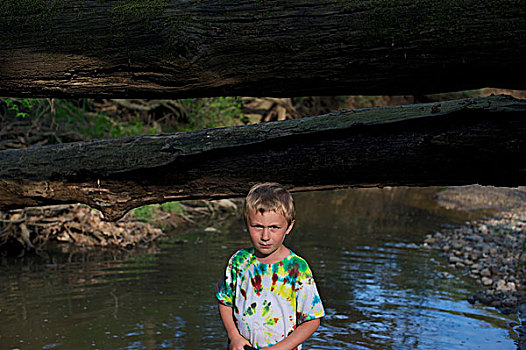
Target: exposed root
point(33, 228)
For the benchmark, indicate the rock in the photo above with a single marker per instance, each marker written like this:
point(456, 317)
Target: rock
point(485, 273)
point(486, 281)
point(505, 287)
point(429, 239)
point(494, 270)
point(458, 244)
point(494, 250)
point(454, 259)
point(510, 301)
point(511, 286)
point(496, 303)
point(445, 274)
point(501, 286)
point(478, 239)
point(484, 299)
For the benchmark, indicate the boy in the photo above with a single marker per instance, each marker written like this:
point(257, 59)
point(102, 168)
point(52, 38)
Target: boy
point(267, 296)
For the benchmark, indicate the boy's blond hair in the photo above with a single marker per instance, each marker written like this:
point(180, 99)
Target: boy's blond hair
point(270, 196)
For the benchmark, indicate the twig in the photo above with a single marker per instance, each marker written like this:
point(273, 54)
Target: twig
point(116, 306)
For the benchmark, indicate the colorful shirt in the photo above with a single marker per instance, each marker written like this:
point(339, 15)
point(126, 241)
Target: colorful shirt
point(269, 300)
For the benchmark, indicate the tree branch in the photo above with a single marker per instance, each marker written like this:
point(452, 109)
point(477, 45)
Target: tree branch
point(480, 140)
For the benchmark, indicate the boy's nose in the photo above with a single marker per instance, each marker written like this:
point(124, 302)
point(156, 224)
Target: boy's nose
point(265, 235)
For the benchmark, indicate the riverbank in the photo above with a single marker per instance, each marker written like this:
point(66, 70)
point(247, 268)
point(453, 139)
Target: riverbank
point(31, 230)
point(490, 250)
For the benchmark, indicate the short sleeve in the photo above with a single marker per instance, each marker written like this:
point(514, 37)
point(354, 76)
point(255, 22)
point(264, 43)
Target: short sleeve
point(225, 286)
point(308, 301)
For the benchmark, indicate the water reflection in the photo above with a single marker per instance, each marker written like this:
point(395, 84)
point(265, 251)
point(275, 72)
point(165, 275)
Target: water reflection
point(380, 292)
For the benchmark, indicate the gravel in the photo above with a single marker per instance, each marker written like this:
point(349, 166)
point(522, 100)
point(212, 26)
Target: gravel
point(490, 250)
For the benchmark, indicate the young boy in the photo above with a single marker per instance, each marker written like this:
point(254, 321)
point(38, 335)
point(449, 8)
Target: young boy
point(267, 296)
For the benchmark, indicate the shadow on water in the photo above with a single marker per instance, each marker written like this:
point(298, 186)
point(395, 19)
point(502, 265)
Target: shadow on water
point(380, 290)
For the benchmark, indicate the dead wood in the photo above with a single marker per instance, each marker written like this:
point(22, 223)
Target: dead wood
point(480, 140)
point(178, 49)
point(35, 228)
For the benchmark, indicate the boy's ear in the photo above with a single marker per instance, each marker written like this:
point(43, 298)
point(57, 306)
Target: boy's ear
point(290, 227)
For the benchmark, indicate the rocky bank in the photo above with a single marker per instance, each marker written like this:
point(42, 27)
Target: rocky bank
point(491, 250)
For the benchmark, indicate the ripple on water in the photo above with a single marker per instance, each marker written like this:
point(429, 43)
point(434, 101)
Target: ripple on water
point(389, 306)
point(380, 291)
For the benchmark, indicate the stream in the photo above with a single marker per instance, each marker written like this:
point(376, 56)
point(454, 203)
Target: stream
point(380, 290)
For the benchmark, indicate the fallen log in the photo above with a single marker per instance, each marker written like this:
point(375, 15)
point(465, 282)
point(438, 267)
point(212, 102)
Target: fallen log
point(177, 49)
point(479, 140)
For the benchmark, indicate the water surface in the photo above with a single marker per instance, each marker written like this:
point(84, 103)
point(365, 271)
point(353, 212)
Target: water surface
point(380, 291)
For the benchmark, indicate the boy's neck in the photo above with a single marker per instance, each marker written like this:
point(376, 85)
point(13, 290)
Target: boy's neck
point(277, 256)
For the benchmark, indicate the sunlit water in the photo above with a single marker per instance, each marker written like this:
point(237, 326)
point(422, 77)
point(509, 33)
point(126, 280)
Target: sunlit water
point(379, 290)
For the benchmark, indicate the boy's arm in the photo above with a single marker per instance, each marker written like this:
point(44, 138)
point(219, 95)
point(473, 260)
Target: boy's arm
point(300, 334)
point(237, 341)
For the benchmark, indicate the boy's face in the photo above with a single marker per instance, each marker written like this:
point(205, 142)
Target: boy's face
point(267, 232)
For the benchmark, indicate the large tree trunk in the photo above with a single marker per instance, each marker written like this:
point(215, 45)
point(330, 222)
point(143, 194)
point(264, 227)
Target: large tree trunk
point(192, 48)
point(481, 140)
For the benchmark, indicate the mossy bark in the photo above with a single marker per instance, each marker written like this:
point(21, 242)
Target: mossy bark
point(480, 140)
point(192, 48)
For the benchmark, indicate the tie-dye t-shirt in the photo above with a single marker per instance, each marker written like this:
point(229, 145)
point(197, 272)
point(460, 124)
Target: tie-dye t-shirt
point(269, 300)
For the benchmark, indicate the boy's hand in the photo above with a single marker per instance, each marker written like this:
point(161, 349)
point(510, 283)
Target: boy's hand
point(238, 343)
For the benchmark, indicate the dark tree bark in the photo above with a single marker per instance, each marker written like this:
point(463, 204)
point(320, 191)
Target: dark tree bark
point(193, 48)
point(480, 140)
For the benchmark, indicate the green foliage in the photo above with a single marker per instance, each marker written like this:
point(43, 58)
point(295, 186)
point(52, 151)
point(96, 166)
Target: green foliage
point(96, 125)
point(149, 213)
point(172, 207)
point(146, 212)
point(85, 118)
point(76, 115)
point(213, 112)
point(21, 107)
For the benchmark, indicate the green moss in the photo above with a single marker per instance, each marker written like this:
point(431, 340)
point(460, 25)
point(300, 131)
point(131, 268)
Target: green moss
point(172, 207)
point(37, 14)
point(131, 10)
point(136, 23)
point(177, 48)
point(388, 22)
point(146, 212)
